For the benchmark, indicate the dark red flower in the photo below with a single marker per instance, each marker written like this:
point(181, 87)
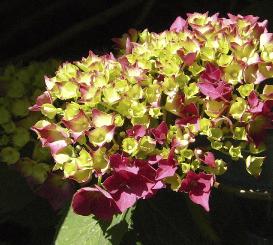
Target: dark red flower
point(258, 127)
point(211, 74)
point(199, 187)
point(131, 180)
point(119, 162)
point(137, 131)
point(211, 84)
point(160, 132)
point(188, 114)
point(146, 170)
point(188, 59)
point(94, 200)
point(209, 159)
point(126, 188)
point(255, 105)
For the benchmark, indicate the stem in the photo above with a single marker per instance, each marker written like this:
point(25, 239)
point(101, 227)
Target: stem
point(109, 108)
point(250, 194)
point(164, 115)
point(99, 180)
point(87, 146)
point(164, 108)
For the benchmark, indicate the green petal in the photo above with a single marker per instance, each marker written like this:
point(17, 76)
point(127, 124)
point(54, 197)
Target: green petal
point(130, 145)
point(254, 165)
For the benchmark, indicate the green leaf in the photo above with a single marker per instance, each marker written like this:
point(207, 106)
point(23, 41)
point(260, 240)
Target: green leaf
point(19, 107)
point(9, 155)
point(5, 115)
point(86, 230)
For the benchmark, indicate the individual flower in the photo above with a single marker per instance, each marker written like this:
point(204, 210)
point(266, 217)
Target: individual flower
point(130, 181)
point(137, 131)
point(199, 187)
point(209, 159)
point(94, 200)
point(127, 187)
point(52, 136)
point(166, 167)
point(212, 86)
point(44, 98)
point(160, 132)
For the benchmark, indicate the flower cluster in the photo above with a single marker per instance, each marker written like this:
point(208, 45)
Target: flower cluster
point(18, 145)
point(165, 113)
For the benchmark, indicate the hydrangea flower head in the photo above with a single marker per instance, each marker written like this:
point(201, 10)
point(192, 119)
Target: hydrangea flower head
point(136, 122)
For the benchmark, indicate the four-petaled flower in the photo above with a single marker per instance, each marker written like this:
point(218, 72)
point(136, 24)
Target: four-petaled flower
point(199, 187)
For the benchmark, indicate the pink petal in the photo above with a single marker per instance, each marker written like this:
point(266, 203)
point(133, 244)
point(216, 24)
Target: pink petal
point(188, 59)
point(165, 170)
point(178, 25)
point(125, 200)
point(58, 145)
point(119, 162)
point(52, 136)
point(44, 98)
point(209, 90)
point(212, 73)
point(129, 46)
point(252, 74)
point(94, 200)
point(202, 200)
point(160, 132)
point(138, 131)
point(209, 159)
